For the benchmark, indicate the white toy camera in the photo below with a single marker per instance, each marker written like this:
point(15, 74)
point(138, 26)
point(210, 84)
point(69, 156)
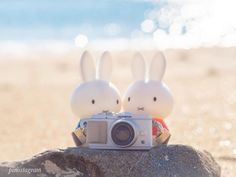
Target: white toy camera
point(119, 131)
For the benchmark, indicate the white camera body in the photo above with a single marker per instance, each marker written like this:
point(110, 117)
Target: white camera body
point(119, 131)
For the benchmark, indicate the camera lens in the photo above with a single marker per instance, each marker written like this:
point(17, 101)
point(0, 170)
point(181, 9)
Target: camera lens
point(122, 134)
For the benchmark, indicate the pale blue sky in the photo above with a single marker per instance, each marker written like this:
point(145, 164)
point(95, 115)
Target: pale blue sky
point(167, 24)
point(64, 19)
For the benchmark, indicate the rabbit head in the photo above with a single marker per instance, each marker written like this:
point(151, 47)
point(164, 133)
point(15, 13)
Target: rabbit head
point(96, 94)
point(148, 94)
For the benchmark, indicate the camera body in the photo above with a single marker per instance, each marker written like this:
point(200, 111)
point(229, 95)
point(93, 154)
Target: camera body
point(119, 131)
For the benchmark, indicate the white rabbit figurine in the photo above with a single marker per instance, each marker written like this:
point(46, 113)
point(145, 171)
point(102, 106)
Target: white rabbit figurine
point(95, 95)
point(149, 95)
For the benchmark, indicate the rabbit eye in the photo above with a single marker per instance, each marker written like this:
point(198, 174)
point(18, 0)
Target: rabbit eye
point(93, 101)
point(154, 98)
point(129, 99)
point(117, 101)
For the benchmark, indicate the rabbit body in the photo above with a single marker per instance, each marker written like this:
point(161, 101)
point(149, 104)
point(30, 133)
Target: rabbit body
point(149, 95)
point(95, 95)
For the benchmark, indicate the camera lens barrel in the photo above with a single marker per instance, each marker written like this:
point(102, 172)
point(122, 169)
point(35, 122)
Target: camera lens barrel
point(123, 134)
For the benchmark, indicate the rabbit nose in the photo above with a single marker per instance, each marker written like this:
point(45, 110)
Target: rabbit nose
point(140, 108)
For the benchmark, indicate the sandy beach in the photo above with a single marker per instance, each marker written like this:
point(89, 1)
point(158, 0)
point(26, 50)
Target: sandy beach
point(35, 92)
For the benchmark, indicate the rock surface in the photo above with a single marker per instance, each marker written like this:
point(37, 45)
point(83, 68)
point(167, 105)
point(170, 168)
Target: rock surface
point(161, 161)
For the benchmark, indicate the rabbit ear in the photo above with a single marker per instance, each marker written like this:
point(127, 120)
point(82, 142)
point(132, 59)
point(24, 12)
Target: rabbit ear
point(157, 67)
point(138, 67)
point(87, 67)
point(104, 69)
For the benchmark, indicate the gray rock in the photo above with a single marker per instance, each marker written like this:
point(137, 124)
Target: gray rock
point(161, 161)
